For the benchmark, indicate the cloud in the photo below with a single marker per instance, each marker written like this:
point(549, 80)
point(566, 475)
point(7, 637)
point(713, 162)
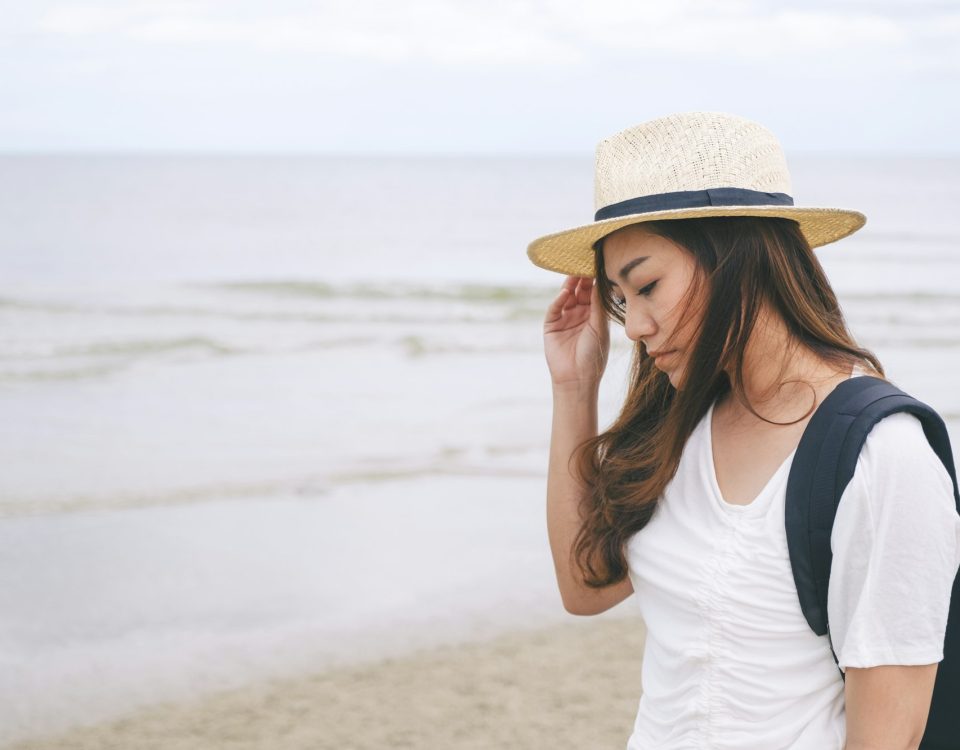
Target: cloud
point(453, 75)
point(789, 38)
point(431, 30)
point(532, 32)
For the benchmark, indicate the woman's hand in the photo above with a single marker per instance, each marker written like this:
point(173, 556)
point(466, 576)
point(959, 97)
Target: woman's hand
point(576, 334)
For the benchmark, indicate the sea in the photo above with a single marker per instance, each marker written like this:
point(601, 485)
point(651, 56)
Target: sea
point(264, 415)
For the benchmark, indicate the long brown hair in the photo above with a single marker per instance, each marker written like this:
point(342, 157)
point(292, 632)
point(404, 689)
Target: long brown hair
point(743, 262)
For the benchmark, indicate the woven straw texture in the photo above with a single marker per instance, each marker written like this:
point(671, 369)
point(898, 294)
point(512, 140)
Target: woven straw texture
point(687, 151)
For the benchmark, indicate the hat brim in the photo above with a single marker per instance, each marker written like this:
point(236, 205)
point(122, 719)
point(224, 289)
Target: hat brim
point(571, 251)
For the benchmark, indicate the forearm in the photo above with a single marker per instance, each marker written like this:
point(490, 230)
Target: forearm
point(574, 420)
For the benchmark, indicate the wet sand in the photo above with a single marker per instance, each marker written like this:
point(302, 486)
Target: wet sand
point(570, 686)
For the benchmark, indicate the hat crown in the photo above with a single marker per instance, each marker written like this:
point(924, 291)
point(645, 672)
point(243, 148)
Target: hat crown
point(688, 151)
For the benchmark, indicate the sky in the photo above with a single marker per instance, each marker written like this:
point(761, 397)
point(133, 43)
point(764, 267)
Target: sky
point(471, 76)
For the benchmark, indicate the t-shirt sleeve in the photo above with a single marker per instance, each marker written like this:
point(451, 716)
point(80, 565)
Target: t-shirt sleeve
point(896, 551)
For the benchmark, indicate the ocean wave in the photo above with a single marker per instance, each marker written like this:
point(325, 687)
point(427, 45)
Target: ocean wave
point(51, 505)
point(126, 348)
point(313, 486)
point(41, 376)
point(894, 296)
point(161, 310)
point(480, 293)
point(12, 303)
point(913, 342)
point(111, 356)
point(354, 315)
point(420, 346)
point(905, 236)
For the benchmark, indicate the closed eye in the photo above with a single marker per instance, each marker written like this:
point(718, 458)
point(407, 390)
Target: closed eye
point(645, 292)
point(647, 289)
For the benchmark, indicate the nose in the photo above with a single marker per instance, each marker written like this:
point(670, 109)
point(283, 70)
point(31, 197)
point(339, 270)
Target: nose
point(638, 325)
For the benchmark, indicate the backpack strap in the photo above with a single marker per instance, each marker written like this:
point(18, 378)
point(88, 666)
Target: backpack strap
point(823, 465)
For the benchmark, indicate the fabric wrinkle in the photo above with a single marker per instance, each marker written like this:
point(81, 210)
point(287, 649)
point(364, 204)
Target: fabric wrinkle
point(730, 662)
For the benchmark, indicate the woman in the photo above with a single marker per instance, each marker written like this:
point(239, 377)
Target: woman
point(698, 251)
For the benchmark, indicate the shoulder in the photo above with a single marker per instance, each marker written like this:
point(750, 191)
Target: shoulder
point(899, 424)
point(897, 444)
point(898, 467)
point(900, 431)
point(896, 551)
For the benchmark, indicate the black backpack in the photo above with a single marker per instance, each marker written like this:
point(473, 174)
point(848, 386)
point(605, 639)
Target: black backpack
point(822, 467)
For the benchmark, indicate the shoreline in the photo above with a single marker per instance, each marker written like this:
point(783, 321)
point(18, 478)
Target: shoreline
point(571, 685)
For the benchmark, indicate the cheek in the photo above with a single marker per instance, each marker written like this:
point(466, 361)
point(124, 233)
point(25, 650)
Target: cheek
point(670, 315)
point(676, 310)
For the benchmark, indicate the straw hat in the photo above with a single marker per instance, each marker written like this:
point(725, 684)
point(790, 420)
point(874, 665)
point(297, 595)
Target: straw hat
point(684, 166)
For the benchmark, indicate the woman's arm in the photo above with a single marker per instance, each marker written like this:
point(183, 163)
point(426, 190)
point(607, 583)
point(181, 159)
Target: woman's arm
point(574, 420)
point(887, 707)
point(896, 550)
point(576, 343)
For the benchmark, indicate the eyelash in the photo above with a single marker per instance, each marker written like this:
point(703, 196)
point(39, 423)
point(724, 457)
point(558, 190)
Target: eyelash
point(646, 291)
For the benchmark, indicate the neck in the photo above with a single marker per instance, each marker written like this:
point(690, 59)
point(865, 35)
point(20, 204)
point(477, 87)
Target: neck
point(782, 380)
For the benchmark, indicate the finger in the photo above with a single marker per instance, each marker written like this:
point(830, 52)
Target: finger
point(555, 309)
point(567, 298)
point(575, 294)
point(585, 290)
point(597, 307)
point(598, 315)
point(569, 285)
point(559, 300)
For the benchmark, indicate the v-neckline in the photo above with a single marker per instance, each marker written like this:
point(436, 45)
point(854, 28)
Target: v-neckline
point(712, 466)
point(725, 504)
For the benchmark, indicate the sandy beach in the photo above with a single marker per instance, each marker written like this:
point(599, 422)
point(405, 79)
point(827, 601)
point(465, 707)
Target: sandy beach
point(575, 685)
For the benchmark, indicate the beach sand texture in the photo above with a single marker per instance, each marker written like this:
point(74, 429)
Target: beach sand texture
point(570, 686)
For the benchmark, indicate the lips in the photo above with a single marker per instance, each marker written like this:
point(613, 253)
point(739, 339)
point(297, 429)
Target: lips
point(659, 360)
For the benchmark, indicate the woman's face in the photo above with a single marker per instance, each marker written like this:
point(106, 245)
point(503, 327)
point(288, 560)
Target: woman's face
point(652, 277)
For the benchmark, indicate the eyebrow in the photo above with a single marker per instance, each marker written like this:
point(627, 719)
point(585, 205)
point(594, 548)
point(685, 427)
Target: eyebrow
point(629, 267)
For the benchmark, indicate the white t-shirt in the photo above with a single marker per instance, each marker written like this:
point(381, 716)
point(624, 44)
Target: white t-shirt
point(730, 661)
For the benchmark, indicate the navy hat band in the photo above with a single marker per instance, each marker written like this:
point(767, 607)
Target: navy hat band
point(693, 199)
